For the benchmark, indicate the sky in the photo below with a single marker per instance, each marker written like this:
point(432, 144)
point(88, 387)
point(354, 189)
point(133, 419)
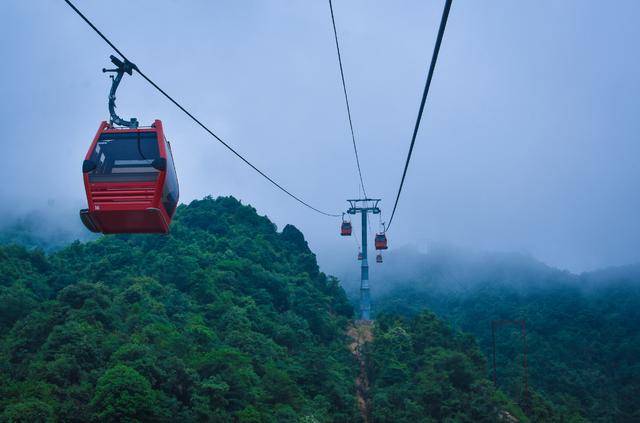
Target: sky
point(529, 141)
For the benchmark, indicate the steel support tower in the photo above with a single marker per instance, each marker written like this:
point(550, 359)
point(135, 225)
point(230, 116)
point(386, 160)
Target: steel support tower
point(364, 206)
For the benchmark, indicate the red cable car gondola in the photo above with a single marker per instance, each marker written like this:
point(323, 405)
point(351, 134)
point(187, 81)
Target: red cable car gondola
point(130, 181)
point(345, 228)
point(129, 176)
point(379, 258)
point(381, 241)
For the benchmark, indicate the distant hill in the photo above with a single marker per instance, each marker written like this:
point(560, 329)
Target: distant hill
point(582, 330)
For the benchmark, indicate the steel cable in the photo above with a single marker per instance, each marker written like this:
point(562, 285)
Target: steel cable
point(434, 58)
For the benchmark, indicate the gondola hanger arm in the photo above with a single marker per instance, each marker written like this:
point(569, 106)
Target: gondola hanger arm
point(122, 67)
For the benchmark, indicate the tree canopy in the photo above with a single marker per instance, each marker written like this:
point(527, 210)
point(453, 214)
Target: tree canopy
point(224, 319)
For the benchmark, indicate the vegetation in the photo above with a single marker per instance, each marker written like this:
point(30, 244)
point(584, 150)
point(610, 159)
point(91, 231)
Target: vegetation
point(420, 370)
point(225, 319)
point(582, 335)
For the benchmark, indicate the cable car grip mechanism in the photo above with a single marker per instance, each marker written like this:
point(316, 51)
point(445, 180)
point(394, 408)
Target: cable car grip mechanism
point(122, 67)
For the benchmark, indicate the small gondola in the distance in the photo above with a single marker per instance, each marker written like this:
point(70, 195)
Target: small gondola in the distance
point(345, 227)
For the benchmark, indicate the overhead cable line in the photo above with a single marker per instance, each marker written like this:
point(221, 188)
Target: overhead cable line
point(434, 58)
point(346, 99)
point(203, 126)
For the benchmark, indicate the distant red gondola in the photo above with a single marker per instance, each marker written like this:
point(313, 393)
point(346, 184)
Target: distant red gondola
point(381, 241)
point(345, 229)
point(130, 181)
point(359, 256)
point(379, 258)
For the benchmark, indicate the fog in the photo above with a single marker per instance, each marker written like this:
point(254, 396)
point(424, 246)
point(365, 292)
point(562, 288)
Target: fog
point(449, 270)
point(529, 141)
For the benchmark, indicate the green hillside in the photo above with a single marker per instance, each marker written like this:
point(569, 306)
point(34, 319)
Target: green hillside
point(421, 370)
point(225, 319)
point(582, 330)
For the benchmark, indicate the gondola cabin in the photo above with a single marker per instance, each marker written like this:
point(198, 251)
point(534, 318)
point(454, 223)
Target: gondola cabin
point(345, 229)
point(130, 181)
point(379, 258)
point(359, 256)
point(381, 241)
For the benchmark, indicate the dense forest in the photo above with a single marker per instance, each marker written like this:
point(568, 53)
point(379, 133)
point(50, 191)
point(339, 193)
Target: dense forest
point(582, 330)
point(422, 371)
point(228, 319)
point(225, 319)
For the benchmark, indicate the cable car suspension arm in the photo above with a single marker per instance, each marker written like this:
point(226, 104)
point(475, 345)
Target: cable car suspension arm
point(121, 69)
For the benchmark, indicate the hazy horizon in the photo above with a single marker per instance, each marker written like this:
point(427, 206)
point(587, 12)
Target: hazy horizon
point(343, 266)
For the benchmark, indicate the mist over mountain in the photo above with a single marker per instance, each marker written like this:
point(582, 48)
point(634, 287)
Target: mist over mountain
point(49, 226)
point(452, 270)
point(510, 292)
point(582, 329)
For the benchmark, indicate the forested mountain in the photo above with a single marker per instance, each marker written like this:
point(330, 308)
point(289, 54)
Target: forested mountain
point(228, 319)
point(582, 330)
point(225, 319)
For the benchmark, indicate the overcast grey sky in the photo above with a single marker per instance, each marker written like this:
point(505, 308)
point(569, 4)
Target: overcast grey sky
point(529, 141)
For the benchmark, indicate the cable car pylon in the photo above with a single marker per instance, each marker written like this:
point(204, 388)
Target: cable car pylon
point(364, 206)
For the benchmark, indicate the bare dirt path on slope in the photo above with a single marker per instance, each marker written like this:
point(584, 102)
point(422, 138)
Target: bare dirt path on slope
point(361, 333)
